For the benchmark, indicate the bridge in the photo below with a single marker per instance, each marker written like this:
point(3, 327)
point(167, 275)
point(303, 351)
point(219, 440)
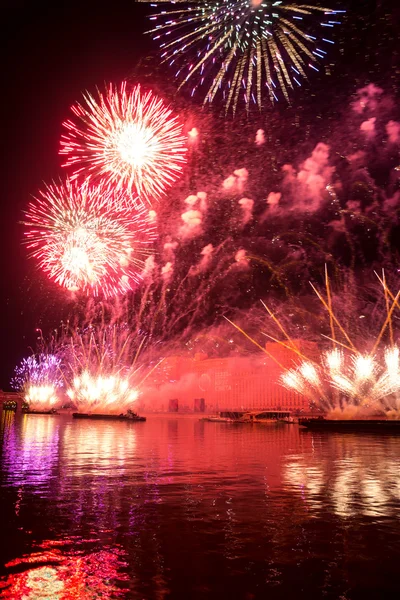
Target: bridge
point(12, 397)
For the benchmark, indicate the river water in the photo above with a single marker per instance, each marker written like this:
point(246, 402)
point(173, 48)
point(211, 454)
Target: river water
point(179, 508)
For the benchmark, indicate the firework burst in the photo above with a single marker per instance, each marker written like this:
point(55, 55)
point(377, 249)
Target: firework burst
point(339, 381)
point(87, 238)
point(244, 48)
point(38, 370)
point(41, 397)
point(39, 378)
point(102, 394)
point(128, 138)
point(104, 373)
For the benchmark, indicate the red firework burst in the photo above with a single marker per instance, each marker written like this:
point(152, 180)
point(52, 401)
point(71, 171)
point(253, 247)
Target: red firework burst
point(127, 138)
point(87, 238)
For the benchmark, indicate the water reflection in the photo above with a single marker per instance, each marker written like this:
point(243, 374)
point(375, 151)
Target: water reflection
point(53, 574)
point(177, 508)
point(356, 474)
point(30, 450)
point(91, 447)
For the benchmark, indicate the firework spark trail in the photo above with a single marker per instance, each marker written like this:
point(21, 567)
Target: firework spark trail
point(166, 309)
point(243, 46)
point(128, 138)
point(193, 311)
point(180, 299)
point(87, 238)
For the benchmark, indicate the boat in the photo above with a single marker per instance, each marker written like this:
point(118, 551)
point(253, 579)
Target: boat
point(213, 419)
point(40, 412)
point(131, 417)
point(263, 416)
point(289, 420)
point(351, 425)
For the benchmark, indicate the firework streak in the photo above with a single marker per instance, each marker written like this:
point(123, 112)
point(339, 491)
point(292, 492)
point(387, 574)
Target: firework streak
point(244, 49)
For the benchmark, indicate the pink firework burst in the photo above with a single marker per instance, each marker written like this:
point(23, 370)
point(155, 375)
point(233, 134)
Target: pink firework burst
point(87, 238)
point(127, 138)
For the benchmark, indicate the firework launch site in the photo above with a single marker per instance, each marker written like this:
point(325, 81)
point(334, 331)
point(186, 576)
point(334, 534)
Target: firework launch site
point(200, 300)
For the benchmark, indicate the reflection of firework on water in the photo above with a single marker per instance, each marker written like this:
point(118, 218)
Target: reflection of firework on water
point(244, 48)
point(36, 370)
point(86, 238)
point(355, 480)
point(60, 574)
point(112, 450)
point(128, 138)
point(31, 453)
point(341, 381)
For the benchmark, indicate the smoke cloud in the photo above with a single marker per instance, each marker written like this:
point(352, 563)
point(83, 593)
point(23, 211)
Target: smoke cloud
point(236, 182)
point(167, 271)
point(149, 266)
point(193, 135)
point(193, 217)
point(202, 197)
point(152, 216)
point(247, 208)
point(368, 128)
point(260, 137)
point(241, 261)
point(367, 98)
point(307, 188)
point(169, 250)
point(191, 200)
point(192, 224)
point(207, 254)
point(393, 131)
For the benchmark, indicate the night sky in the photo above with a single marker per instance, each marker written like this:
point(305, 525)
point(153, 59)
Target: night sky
point(55, 50)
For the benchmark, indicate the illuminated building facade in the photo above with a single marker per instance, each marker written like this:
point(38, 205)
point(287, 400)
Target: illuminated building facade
point(236, 383)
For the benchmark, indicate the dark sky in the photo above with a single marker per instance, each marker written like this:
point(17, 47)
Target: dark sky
point(55, 50)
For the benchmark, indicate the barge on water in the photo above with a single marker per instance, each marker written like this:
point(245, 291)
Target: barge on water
point(255, 416)
point(131, 417)
point(351, 425)
point(40, 412)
